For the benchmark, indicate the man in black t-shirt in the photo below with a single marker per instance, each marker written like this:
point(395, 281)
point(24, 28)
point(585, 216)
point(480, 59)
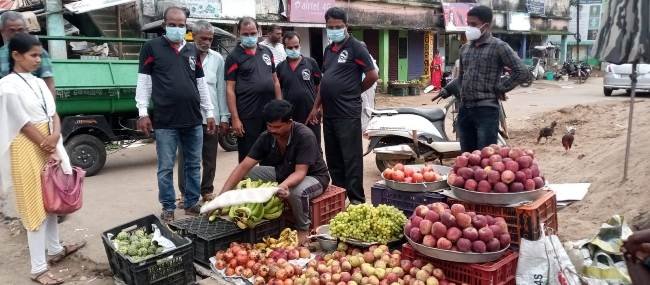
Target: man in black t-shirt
point(171, 76)
point(344, 61)
point(251, 82)
point(294, 158)
point(299, 78)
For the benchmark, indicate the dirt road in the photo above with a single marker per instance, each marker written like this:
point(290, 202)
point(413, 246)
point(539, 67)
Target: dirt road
point(126, 188)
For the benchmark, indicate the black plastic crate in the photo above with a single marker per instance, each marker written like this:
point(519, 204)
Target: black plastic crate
point(405, 201)
point(270, 228)
point(208, 237)
point(174, 267)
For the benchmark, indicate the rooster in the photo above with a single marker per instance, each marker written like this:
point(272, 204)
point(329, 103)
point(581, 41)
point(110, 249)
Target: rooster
point(546, 132)
point(567, 139)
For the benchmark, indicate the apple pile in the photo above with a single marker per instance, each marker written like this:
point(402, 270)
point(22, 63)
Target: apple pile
point(242, 259)
point(497, 169)
point(439, 226)
point(376, 266)
point(410, 174)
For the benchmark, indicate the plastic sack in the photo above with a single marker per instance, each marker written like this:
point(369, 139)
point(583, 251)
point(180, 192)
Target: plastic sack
point(544, 261)
point(238, 197)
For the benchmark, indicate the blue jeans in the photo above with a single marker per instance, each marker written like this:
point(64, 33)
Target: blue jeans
point(477, 127)
point(168, 141)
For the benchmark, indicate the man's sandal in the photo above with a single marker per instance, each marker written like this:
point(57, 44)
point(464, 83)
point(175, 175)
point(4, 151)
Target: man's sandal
point(47, 278)
point(67, 250)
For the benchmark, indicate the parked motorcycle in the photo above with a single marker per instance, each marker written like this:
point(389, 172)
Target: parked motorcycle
point(581, 70)
point(411, 135)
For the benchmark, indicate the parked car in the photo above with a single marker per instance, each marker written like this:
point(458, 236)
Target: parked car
point(618, 77)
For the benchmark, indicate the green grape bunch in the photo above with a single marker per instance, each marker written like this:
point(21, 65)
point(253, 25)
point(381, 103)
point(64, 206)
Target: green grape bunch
point(367, 223)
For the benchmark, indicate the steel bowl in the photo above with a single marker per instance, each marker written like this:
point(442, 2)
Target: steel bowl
point(327, 243)
point(509, 199)
point(456, 256)
point(424, 186)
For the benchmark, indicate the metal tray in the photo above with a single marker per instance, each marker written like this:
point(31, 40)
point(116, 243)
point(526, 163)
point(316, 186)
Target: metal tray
point(456, 256)
point(498, 198)
point(424, 186)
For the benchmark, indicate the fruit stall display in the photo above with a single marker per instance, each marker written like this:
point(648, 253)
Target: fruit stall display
point(369, 224)
point(496, 169)
point(452, 228)
point(346, 266)
point(406, 174)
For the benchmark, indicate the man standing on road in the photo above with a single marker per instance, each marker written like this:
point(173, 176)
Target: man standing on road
point(251, 82)
point(344, 61)
point(213, 64)
point(272, 42)
point(171, 75)
point(295, 162)
point(482, 61)
point(13, 22)
point(299, 78)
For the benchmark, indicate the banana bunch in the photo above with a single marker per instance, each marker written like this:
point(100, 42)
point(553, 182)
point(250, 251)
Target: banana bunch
point(250, 214)
point(287, 238)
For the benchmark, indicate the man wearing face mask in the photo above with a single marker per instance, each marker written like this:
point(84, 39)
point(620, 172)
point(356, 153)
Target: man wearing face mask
point(272, 42)
point(203, 34)
point(251, 82)
point(344, 62)
point(482, 61)
point(171, 76)
point(300, 81)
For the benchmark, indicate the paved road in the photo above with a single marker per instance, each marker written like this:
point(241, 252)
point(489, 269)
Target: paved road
point(126, 188)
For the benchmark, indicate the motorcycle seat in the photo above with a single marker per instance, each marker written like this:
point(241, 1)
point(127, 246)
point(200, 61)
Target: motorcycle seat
point(431, 114)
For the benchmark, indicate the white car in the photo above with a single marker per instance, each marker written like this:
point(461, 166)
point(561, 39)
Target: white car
point(618, 77)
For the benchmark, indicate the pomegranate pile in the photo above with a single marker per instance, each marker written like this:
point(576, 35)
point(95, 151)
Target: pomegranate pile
point(411, 174)
point(244, 260)
point(452, 228)
point(496, 169)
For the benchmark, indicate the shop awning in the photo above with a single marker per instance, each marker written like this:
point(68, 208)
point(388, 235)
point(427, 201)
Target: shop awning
point(84, 6)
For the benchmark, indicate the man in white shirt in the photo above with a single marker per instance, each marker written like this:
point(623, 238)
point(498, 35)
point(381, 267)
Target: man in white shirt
point(171, 76)
point(274, 42)
point(368, 97)
point(213, 68)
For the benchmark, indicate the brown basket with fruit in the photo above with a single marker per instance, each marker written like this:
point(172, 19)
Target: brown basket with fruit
point(497, 176)
point(417, 177)
point(452, 234)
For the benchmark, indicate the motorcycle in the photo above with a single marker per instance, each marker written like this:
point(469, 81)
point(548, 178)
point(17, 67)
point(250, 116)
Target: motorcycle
point(412, 135)
point(582, 70)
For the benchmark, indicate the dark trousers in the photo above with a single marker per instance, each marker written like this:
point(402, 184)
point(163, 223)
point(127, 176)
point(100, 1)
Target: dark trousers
point(477, 127)
point(344, 155)
point(252, 129)
point(208, 163)
point(317, 132)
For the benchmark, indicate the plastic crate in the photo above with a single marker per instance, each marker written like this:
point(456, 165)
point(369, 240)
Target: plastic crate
point(207, 238)
point(523, 221)
point(172, 267)
point(404, 201)
point(322, 208)
point(270, 228)
point(499, 272)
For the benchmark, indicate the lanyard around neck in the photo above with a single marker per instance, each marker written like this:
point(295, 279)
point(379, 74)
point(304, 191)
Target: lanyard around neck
point(44, 103)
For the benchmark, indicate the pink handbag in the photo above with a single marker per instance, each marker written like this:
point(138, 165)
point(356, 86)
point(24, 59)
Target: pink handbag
point(62, 194)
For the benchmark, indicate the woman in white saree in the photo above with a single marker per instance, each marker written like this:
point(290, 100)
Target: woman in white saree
point(30, 135)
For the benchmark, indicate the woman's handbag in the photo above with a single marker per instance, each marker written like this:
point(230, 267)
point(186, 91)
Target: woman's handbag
point(62, 193)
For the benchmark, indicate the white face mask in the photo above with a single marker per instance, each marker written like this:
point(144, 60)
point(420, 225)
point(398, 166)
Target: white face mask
point(473, 33)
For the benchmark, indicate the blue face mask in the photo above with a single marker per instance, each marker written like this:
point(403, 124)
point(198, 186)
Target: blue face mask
point(336, 36)
point(293, 53)
point(175, 34)
point(248, 41)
